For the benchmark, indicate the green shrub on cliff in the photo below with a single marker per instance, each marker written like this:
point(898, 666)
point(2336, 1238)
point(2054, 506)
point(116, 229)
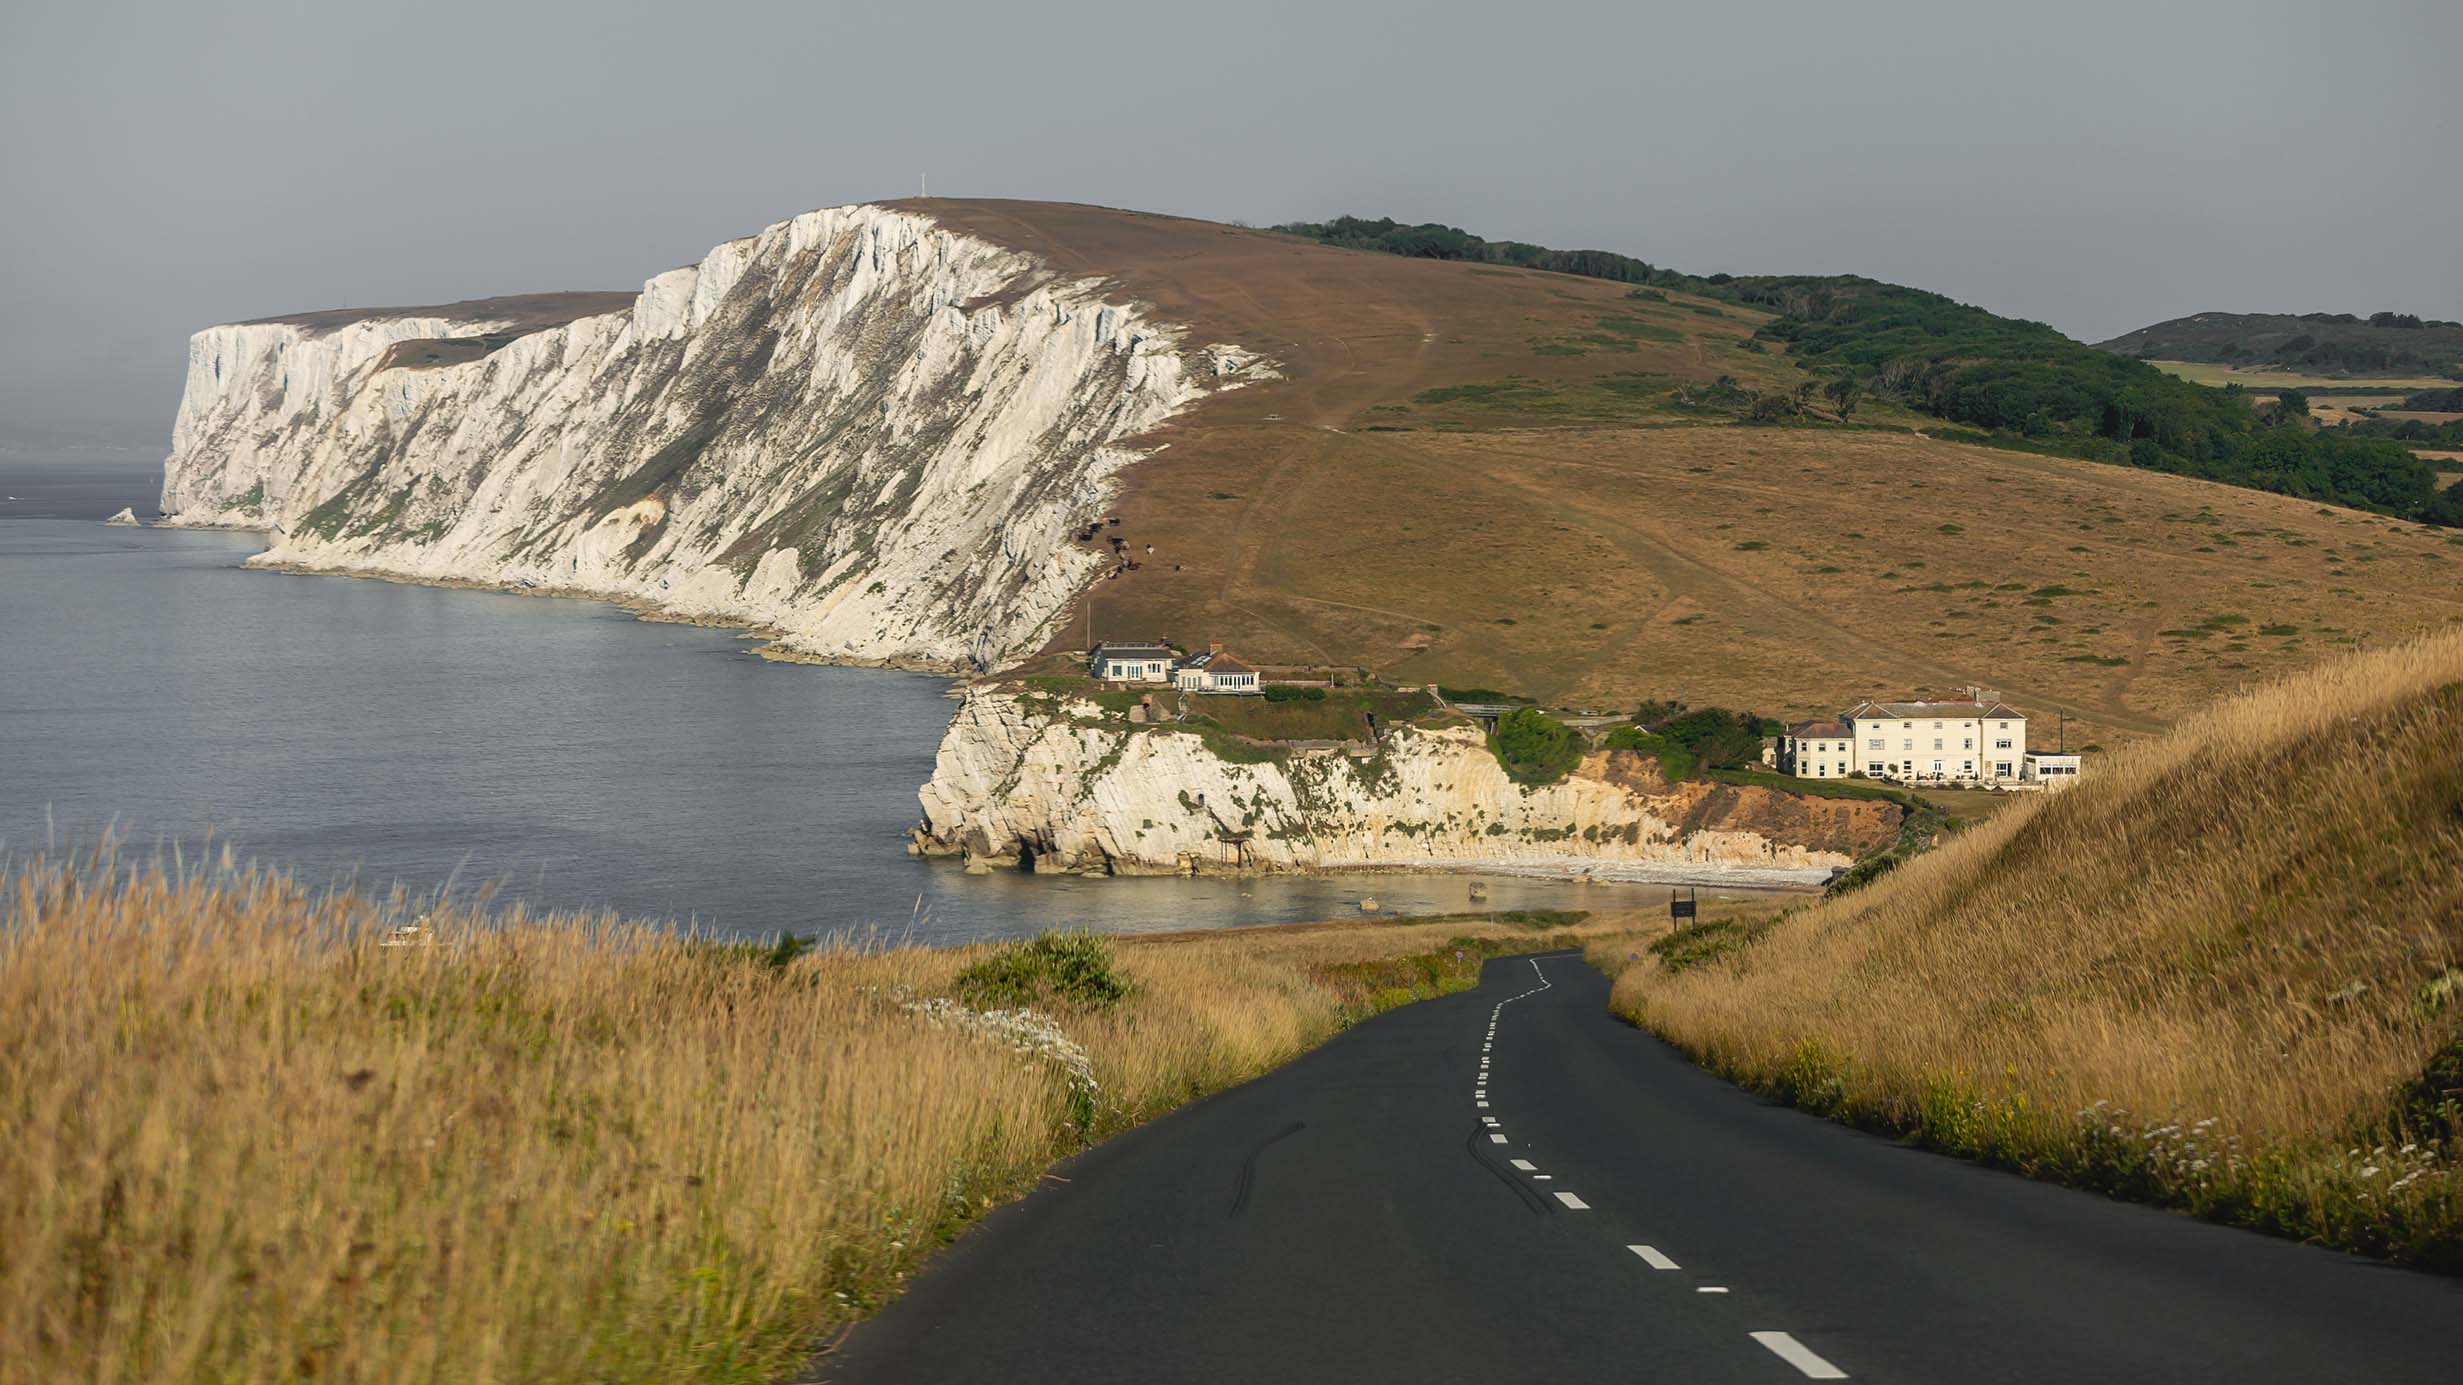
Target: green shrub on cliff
point(1675, 760)
point(1534, 747)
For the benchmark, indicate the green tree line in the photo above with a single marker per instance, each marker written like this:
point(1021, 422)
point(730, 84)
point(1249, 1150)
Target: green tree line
point(1431, 241)
point(2025, 379)
point(2016, 381)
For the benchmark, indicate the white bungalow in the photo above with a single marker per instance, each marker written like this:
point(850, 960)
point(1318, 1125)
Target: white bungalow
point(1215, 672)
point(1135, 661)
point(2052, 769)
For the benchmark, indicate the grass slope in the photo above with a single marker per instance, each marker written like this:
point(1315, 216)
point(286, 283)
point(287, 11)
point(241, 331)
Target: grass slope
point(2225, 973)
point(2342, 343)
point(246, 1143)
point(1488, 476)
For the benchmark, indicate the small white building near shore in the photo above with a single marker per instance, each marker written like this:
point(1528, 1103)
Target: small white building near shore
point(2052, 769)
point(1215, 672)
point(1132, 661)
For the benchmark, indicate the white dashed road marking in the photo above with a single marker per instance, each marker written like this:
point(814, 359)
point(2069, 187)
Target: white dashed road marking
point(1779, 1344)
point(1800, 1356)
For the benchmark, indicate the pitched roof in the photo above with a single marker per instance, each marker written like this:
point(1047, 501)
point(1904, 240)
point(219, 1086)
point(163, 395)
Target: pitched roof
point(1130, 649)
point(1910, 711)
point(1216, 661)
point(1816, 729)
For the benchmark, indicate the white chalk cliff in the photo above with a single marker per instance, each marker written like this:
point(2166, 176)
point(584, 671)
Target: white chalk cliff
point(1027, 780)
point(860, 431)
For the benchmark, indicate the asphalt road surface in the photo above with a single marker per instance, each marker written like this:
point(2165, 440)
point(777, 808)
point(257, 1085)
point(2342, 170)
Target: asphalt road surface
point(1510, 1185)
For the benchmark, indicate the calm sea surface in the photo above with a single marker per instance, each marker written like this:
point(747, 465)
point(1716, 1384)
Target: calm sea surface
point(567, 753)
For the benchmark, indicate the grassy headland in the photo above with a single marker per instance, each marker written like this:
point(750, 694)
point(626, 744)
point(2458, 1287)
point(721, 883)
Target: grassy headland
point(1480, 474)
point(244, 1141)
point(2224, 973)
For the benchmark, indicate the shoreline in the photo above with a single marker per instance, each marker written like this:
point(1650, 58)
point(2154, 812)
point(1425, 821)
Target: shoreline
point(775, 650)
point(1571, 870)
point(1566, 871)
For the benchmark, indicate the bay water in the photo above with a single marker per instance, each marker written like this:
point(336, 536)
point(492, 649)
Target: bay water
point(564, 754)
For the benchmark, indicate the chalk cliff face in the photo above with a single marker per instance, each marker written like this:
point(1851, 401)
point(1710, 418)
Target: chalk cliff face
point(858, 430)
point(1058, 787)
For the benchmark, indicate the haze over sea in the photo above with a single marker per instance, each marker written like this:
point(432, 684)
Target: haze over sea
point(565, 752)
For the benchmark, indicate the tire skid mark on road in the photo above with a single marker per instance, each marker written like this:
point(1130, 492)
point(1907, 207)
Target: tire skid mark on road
point(1248, 1167)
point(1478, 1151)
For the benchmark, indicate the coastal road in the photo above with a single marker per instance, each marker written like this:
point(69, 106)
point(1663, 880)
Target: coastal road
point(1510, 1185)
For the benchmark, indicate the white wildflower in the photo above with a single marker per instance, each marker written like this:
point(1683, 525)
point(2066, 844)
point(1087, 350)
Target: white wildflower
point(1028, 1032)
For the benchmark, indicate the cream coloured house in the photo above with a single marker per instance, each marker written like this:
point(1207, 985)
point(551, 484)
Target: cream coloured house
point(1981, 740)
point(1818, 750)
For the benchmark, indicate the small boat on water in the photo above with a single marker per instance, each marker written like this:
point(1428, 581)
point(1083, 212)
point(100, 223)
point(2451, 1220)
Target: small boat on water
point(415, 933)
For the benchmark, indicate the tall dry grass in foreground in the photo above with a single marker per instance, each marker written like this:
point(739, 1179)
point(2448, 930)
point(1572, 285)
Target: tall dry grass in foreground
point(2222, 972)
point(240, 1141)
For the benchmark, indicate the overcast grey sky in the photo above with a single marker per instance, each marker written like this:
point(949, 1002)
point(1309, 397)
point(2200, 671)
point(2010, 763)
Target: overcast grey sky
point(2096, 165)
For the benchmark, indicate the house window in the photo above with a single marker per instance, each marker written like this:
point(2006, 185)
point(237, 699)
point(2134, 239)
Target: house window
point(1968, 767)
point(2001, 745)
point(2002, 770)
point(1875, 744)
point(1967, 744)
point(1936, 742)
point(1873, 767)
point(1907, 745)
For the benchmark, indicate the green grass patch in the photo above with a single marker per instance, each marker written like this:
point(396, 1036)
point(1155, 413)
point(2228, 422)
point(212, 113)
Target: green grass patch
point(1339, 714)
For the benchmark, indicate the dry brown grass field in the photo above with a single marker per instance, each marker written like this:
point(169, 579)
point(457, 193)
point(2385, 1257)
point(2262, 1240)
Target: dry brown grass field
point(2213, 974)
point(243, 1141)
point(2272, 378)
point(1486, 477)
